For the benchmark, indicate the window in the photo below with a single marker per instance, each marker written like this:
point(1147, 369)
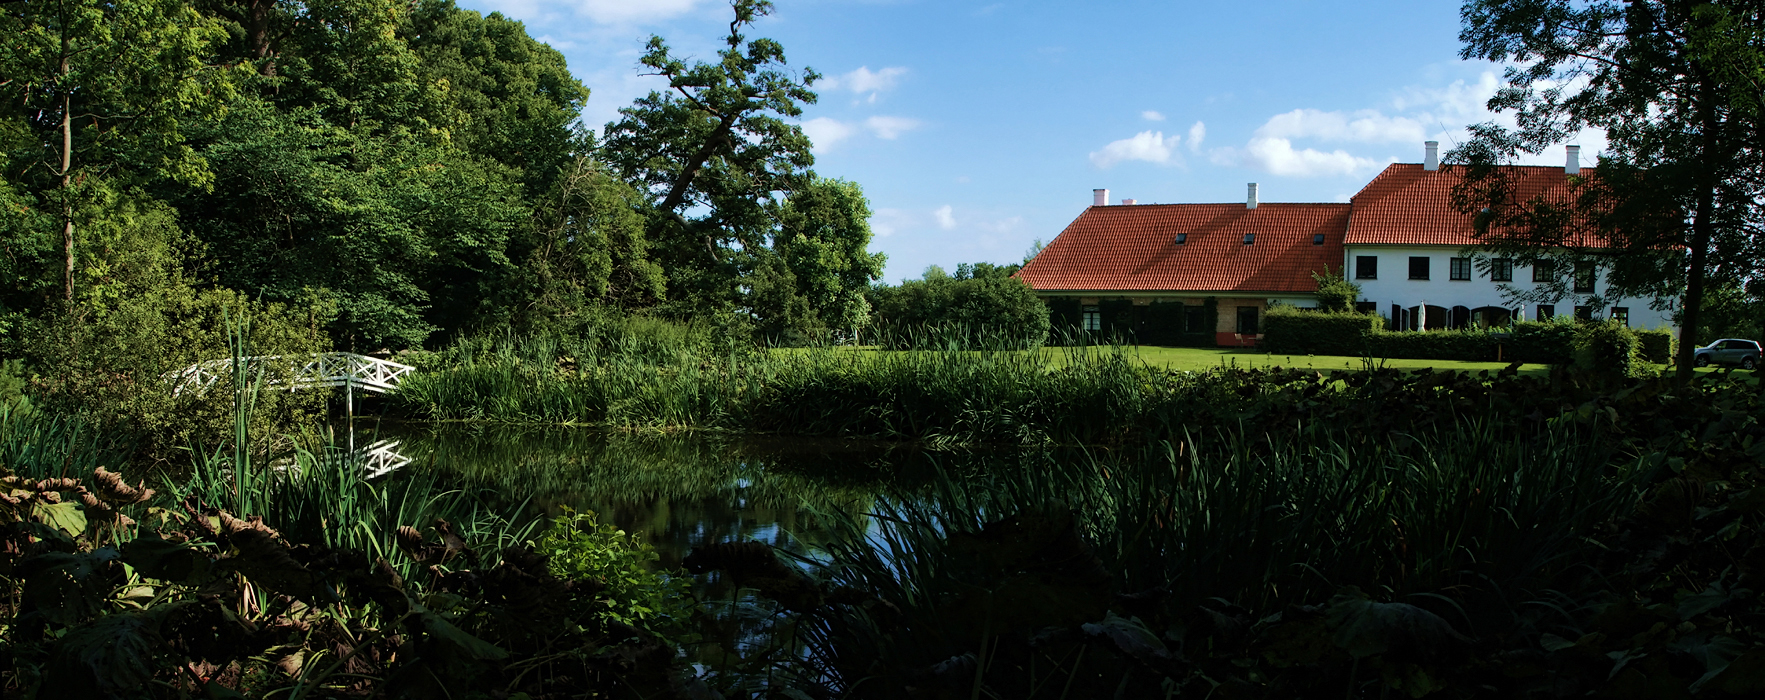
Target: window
point(1621, 314)
point(1546, 311)
point(1195, 320)
point(1543, 271)
point(1584, 313)
point(1419, 268)
point(1093, 320)
point(1317, 239)
point(1501, 270)
point(1249, 238)
point(1584, 273)
point(1247, 320)
point(1182, 238)
point(1460, 269)
point(1366, 267)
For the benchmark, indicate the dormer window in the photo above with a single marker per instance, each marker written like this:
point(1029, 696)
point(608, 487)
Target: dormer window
point(1317, 239)
point(1249, 238)
point(1182, 238)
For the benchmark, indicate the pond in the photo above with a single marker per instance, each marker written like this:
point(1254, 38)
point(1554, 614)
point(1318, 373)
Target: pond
point(674, 491)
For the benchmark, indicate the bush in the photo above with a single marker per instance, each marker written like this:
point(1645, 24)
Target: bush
point(1657, 345)
point(1290, 331)
point(966, 310)
point(1608, 349)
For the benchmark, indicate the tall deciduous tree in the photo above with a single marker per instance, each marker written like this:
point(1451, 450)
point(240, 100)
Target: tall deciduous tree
point(824, 246)
point(714, 153)
point(1676, 204)
point(101, 87)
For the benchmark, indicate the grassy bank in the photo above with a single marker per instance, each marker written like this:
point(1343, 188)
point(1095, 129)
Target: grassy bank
point(1096, 395)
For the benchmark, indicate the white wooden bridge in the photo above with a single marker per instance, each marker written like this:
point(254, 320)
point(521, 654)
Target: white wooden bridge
point(329, 369)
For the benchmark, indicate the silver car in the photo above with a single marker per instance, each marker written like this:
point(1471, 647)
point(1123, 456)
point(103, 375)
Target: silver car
point(1729, 351)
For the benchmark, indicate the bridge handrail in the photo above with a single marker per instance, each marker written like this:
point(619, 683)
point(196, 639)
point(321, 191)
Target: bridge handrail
point(325, 369)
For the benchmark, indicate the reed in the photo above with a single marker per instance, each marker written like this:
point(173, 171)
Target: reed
point(1470, 524)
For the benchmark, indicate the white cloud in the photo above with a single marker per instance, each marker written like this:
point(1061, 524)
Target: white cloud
point(633, 11)
point(945, 218)
point(1318, 143)
point(1152, 116)
point(885, 222)
point(889, 128)
point(863, 81)
point(1149, 146)
point(1364, 126)
point(824, 132)
point(1277, 156)
point(1197, 134)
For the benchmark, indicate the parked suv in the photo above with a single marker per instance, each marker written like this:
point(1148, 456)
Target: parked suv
point(1729, 351)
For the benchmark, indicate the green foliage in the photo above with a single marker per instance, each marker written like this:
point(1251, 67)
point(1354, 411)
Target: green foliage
point(826, 267)
point(1291, 331)
point(1336, 294)
point(588, 249)
point(1657, 345)
point(1608, 349)
point(980, 304)
point(579, 548)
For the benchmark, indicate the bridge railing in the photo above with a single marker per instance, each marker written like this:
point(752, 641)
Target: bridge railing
point(329, 369)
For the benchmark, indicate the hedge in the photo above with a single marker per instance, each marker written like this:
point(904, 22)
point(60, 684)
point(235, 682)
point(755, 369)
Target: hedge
point(1289, 331)
point(1657, 345)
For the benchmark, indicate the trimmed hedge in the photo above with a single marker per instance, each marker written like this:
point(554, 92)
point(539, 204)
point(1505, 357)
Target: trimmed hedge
point(1657, 345)
point(1289, 331)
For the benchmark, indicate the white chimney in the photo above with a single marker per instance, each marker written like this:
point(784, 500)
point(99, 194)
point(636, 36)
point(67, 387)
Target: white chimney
point(1572, 165)
point(1432, 161)
point(1250, 201)
point(1099, 198)
point(1127, 202)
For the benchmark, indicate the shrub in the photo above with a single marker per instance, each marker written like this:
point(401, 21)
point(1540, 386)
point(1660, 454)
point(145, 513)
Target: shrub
point(969, 310)
point(1290, 331)
point(1608, 349)
point(577, 547)
point(1657, 345)
point(1335, 294)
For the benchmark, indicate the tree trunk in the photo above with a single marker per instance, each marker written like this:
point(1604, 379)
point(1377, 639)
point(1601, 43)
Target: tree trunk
point(677, 195)
point(1702, 223)
point(67, 201)
point(258, 30)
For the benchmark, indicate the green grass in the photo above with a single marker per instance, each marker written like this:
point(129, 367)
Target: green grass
point(1203, 359)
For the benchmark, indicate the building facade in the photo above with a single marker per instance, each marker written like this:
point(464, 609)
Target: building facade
point(1115, 267)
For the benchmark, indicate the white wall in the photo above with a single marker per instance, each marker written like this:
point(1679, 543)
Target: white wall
point(1394, 286)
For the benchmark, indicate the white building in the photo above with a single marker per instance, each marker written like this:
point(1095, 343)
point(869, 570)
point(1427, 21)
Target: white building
point(1404, 244)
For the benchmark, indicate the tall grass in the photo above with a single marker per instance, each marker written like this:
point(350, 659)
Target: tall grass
point(39, 444)
point(921, 395)
point(1469, 523)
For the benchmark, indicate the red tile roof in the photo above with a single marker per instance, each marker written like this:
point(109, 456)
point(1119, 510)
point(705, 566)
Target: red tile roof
point(1410, 206)
point(1133, 248)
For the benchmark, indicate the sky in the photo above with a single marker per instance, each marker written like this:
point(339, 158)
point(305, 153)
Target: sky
point(978, 128)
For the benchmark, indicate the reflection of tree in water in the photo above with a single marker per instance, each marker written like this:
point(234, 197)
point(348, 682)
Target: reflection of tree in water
point(676, 491)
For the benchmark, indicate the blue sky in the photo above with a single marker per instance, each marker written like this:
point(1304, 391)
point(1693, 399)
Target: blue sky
point(976, 128)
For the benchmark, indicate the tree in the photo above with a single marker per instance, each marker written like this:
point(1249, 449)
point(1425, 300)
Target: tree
point(101, 87)
point(715, 146)
point(588, 249)
point(1675, 207)
point(823, 248)
point(1335, 293)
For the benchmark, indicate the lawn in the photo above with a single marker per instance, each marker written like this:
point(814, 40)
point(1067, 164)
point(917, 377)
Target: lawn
point(1199, 359)
point(1209, 358)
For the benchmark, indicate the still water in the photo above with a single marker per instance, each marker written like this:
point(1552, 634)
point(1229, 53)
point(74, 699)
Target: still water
point(673, 491)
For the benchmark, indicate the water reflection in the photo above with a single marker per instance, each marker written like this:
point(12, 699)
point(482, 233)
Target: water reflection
point(674, 491)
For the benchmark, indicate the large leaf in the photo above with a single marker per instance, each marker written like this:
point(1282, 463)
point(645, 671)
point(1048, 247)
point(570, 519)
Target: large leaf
point(66, 588)
point(1364, 628)
point(65, 516)
point(114, 655)
point(165, 560)
point(440, 628)
point(269, 563)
